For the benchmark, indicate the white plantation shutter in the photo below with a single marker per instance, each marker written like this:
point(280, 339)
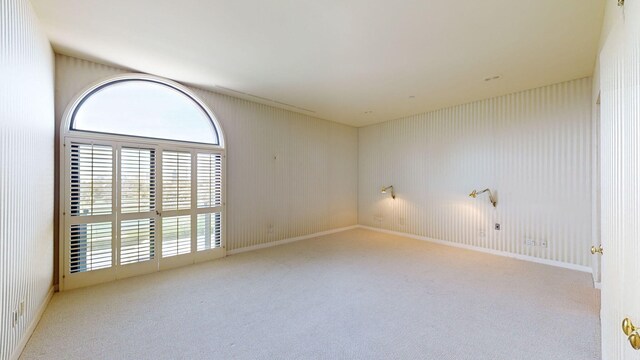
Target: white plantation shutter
point(132, 209)
point(89, 209)
point(209, 187)
point(176, 203)
point(209, 180)
point(209, 231)
point(176, 180)
point(90, 247)
point(137, 204)
point(137, 241)
point(176, 235)
point(91, 176)
point(137, 180)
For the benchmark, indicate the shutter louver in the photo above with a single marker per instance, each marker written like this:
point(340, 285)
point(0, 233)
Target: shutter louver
point(209, 231)
point(137, 241)
point(91, 176)
point(176, 180)
point(138, 180)
point(176, 235)
point(209, 180)
point(90, 247)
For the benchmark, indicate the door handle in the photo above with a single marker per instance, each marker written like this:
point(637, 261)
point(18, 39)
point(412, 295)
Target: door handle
point(597, 250)
point(627, 327)
point(634, 340)
point(632, 332)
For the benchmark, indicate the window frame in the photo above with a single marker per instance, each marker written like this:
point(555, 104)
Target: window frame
point(72, 108)
point(118, 141)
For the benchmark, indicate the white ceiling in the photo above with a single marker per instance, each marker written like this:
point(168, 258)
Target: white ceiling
point(340, 59)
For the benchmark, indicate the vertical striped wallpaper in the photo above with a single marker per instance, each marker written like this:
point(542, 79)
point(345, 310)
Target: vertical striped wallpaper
point(26, 169)
point(532, 148)
point(287, 174)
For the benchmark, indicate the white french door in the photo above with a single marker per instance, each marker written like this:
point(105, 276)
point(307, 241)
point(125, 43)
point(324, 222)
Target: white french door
point(136, 208)
point(620, 181)
point(192, 206)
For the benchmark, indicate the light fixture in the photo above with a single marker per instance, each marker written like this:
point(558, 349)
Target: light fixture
point(474, 194)
point(385, 188)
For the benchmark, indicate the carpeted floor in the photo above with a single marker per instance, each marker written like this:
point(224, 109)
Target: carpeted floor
point(352, 295)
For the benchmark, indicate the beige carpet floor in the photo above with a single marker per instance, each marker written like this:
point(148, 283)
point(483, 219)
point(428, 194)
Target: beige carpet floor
point(352, 295)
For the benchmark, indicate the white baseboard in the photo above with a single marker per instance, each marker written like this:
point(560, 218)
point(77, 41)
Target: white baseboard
point(555, 263)
point(32, 326)
point(290, 240)
point(561, 264)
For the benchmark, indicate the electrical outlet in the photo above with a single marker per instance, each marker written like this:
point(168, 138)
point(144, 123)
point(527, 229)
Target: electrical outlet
point(534, 242)
point(21, 308)
point(497, 226)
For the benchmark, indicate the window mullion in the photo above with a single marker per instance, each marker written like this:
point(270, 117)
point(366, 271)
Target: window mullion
point(158, 201)
point(194, 201)
point(117, 190)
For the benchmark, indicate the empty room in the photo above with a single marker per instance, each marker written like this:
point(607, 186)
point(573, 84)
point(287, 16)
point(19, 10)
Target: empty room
point(365, 179)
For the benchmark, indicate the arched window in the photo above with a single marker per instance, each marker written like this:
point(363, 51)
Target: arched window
point(145, 108)
point(142, 180)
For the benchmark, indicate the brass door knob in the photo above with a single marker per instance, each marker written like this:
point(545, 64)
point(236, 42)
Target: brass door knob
point(634, 340)
point(598, 250)
point(628, 328)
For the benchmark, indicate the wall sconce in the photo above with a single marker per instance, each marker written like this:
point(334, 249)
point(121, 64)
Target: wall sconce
point(492, 199)
point(385, 188)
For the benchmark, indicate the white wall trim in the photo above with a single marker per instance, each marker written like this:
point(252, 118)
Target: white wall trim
point(555, 263)
point(560, 264)
point(32, 327)
point(290, 240)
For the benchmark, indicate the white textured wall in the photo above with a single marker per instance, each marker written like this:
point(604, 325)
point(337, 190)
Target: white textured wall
point(533, 148)
point(287, 174)
point(26, 169)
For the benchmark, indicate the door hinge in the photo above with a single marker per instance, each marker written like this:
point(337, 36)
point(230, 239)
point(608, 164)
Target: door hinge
point(620, 2)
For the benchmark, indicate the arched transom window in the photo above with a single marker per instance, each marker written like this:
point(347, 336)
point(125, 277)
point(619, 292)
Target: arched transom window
point(143, 180)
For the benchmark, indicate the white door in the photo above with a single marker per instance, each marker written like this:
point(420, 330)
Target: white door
point(192, 206)
point(620, 155)
point(137, 212)
point(631, 239)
